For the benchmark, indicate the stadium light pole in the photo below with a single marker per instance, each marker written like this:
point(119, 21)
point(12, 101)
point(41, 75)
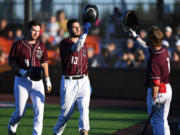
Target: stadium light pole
point(28, 12)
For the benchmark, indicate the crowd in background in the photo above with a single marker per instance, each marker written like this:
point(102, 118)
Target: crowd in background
point(125, 53)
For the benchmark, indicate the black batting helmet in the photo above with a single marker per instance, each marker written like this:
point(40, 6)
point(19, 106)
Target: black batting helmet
point(90, 13)
point(129, 20)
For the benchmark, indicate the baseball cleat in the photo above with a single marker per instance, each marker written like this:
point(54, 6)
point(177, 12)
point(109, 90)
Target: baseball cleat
point(83, 132)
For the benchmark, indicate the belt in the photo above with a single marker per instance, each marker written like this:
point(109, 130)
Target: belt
point(74, 77)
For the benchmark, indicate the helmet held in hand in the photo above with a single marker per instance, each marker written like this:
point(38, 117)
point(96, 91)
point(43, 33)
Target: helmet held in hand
point(129, 20)
point(90, 13)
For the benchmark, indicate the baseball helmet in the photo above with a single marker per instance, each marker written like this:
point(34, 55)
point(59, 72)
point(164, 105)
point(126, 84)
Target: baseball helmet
point(129, 20)
point(90, 13)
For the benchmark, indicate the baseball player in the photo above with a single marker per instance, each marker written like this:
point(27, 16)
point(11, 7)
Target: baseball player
point(29, 53)
point(75, 85)
point(157, 80)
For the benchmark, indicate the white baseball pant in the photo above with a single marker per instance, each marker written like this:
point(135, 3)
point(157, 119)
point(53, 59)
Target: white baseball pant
point(23, 88)
point(159, 120)
point(72, 92)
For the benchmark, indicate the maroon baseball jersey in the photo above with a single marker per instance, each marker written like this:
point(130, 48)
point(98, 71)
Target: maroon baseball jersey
point(158, 66)
point(73, 63)
point(27, 55)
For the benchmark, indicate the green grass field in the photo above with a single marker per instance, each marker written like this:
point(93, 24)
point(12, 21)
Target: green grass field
point(102, 121)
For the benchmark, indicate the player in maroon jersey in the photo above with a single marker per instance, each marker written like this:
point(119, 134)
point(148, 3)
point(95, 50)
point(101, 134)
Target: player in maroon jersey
point(29, 53)
point(75, 85)
point(157, 80)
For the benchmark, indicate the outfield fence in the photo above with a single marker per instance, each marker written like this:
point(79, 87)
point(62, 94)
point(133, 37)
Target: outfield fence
point(111, 83)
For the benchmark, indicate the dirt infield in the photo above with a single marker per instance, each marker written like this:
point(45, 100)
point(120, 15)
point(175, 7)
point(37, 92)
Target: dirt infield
point(115, 104)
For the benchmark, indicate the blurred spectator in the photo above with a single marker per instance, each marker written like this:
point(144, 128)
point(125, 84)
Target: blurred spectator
point(54, 41)
point(168, 32)
point(92, 60)
point(165, 43)
point(62, 22)
point(143, 34)
point(43, 28)
point(93, 40)
point(6, 44)
point(3, 56)
point(177, 36)
point(110, 55)
point(140, 59)
point(129, 47)
point(127, 61)
point(53, 27)
point(175, 62)
point(10, 35)
point(44, 39)
point(168, 36)
point(3, 28)
point(59, 37)
point(18, 35)
point(128, 55)
point(113, 22)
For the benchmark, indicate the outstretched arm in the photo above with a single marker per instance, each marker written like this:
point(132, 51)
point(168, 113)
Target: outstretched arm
point(140, 41)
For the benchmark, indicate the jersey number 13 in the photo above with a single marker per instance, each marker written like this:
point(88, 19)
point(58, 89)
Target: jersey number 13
point(74, 60)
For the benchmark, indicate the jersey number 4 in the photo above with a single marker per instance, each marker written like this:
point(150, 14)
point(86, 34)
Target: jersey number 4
point(74, 60)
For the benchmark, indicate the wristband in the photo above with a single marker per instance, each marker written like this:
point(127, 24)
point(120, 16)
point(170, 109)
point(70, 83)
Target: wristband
point(47, 79)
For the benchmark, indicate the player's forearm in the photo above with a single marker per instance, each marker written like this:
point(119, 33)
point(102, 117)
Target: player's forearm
point(46, 70)
point(155, 90)
point(141, 42)
point(136, 36)
point(79, 44)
